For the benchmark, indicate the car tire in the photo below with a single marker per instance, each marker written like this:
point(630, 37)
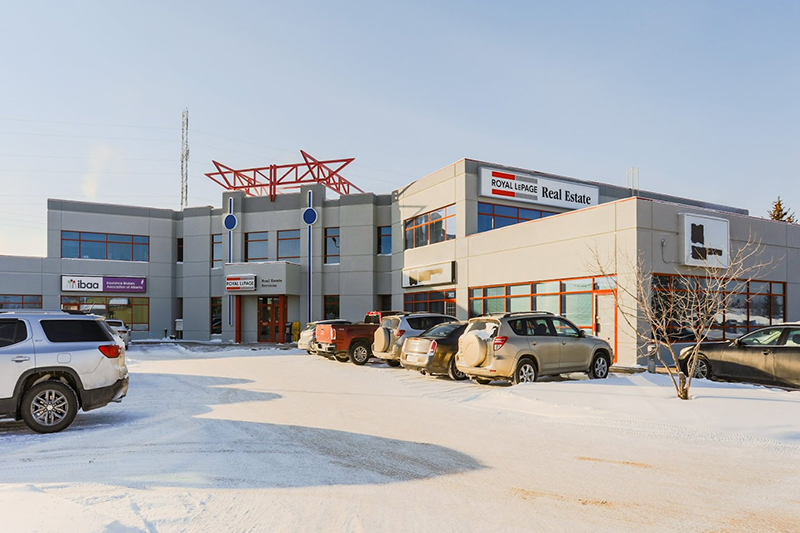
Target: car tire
point(702, 368)
point(526, 371)
point(359, 353)
point(600, 367)
point(393, 363)
point(49, 407)
point(342, 357)
point(453, 372)
point(481, 381)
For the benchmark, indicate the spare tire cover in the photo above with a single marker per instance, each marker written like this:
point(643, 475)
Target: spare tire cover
point(473, 349)
point(381, 340)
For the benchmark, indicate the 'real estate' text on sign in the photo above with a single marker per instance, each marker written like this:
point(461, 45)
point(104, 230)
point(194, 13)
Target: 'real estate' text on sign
point(536, 189)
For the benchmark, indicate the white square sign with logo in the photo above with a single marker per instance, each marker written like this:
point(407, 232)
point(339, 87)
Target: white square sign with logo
point(82, 283)
point(705, 241)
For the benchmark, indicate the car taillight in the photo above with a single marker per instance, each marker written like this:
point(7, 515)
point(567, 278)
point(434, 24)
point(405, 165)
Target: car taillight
point(499, 342)
point(432, 349)
point(333, 334)
point(123, 331)
point(110, 350)
point(399, 333)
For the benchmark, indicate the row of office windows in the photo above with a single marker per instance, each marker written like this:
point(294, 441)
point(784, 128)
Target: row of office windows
point(429, 228)
point(571, 298)
point(109, 246)
point(493, 216)
point(135, 312)
point(20, 301)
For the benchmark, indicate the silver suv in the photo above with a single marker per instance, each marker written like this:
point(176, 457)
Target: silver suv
point(389, 338)
point(520, 347)
point(53, 363)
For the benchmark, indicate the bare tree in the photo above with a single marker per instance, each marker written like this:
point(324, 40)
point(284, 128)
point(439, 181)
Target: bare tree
point(685, 310)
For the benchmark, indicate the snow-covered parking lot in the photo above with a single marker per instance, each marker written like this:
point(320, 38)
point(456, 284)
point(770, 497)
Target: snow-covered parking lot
point(231, 440)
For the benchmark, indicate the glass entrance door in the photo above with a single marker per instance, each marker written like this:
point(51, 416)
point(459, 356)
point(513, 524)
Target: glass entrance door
point(271, 318)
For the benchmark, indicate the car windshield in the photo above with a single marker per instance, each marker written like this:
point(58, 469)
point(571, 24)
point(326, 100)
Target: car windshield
point(310, 325)
point(488, 328)
point(115, 323)
point(441, 331)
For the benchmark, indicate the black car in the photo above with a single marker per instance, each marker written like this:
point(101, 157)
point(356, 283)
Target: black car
point(769, 355)
point(433, 351)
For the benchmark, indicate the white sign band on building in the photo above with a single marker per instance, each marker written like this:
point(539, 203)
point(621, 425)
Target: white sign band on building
point(240, 283)
point(507, 185)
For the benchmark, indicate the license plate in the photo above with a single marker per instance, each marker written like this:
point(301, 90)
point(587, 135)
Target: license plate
point(411, 358)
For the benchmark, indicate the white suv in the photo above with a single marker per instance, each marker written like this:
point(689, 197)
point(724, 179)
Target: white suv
point(53, 363)
point(119, 327)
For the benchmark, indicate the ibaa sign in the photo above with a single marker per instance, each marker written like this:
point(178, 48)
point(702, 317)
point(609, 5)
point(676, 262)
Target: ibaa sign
point(536, 189)
point(102, 284)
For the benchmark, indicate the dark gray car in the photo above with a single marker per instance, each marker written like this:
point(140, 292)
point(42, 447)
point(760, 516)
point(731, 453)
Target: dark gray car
point(769, 355)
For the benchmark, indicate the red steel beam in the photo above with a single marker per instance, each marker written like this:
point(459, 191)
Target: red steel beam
point(274, 179)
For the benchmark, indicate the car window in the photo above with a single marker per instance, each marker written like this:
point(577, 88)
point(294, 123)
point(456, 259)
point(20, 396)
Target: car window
point(75, 331)
point(489, 327)
point(440, 331)
point(391, 322)
point(793, 337)
point(425, 322)
point(519, 326)
point(762, 337)
point(115, 323)
point(539, 327)
point(12, 332)
point(564, 328)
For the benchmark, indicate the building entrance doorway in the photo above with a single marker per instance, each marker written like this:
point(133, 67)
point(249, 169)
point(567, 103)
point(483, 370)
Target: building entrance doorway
point(271, 318)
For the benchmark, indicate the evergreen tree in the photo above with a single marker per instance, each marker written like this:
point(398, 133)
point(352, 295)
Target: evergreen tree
point(778, 212)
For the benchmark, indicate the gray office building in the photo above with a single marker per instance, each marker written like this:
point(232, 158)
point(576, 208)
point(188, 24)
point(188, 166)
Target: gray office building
point(469, 239)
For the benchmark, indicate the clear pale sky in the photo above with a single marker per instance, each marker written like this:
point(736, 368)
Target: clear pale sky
point(702, 97)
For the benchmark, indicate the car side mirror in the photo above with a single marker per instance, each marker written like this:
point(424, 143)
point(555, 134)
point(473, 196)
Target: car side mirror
point(581, 333)
point(737, 343)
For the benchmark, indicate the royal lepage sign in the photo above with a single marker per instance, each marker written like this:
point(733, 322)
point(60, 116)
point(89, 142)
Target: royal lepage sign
point(536, 189)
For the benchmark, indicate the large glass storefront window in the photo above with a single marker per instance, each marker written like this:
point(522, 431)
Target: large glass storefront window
point(751, 305)
point(216, 315)
point(135, 312)
point(571, 298)
point(431, 302)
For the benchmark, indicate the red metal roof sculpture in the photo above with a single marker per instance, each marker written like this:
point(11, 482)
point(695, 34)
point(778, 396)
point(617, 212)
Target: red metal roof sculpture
point(274, 179)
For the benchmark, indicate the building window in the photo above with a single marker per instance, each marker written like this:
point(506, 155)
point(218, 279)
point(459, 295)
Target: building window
point(384, 240)
point(180, 250)
point(256, 246)
point(216, 251)
point(493, 216)
point(288, 244)
point(20, 301)
point(109, 246)
point(430, 228)
point(331, 307)
point(752, 305)
point(443, 302)
point(332, 244)
point(135, 312)
point(571, 298)
point(216, 315)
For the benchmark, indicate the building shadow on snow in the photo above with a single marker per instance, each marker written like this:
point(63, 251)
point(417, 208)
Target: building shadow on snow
point(158, 437)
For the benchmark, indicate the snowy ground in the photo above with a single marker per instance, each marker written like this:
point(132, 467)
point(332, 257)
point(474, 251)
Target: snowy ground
point(231, 440)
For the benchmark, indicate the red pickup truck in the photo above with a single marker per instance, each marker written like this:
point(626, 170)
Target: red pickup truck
point(351, 341)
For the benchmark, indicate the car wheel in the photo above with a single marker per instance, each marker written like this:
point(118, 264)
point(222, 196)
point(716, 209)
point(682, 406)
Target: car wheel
point(453, 372)
point(392, 362)
point(49, 407)
point(481, 381)
point(525, 372)
point(702, 368)
point(599, 368)
point(359, 353)
point(342, 357)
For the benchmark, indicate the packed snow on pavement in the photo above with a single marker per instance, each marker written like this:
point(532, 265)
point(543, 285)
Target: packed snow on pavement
point(226, 439)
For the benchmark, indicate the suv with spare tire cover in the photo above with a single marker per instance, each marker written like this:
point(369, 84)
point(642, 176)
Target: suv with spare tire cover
point(389, 338)
point(53, 363)
point(520, 347)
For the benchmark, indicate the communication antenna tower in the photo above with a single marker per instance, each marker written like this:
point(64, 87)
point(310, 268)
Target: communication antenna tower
point(632, 180)
point(185, 159)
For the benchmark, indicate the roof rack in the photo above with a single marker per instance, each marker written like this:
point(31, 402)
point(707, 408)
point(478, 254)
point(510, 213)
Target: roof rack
point(45, 311)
